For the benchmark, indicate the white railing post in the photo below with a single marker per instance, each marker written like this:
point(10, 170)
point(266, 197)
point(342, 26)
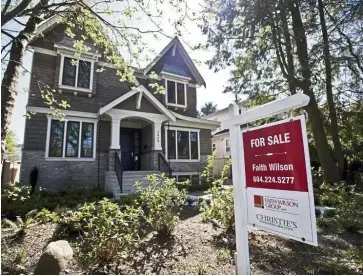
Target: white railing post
point(239, 191)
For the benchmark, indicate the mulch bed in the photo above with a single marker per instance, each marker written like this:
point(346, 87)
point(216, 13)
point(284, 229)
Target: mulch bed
point(195, 248)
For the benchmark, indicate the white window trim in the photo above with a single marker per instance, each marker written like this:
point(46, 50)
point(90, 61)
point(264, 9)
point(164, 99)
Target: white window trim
point(228, 149)
point(73, 119)
point(62, 86)
point(176, 144)
point(177, 174)
point(176, 81)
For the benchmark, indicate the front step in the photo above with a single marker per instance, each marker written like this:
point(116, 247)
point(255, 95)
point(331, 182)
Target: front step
point(128, 181)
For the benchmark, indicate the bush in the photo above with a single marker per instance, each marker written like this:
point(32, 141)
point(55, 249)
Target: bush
point(108, 235)
point(163, 200)
point(17, 200)
point(348, 203)
point(221, 208)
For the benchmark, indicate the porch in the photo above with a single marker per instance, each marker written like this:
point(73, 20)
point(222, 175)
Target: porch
point(135, 149)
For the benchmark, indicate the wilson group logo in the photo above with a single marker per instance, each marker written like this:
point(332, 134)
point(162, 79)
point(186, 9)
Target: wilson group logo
point(258, 201)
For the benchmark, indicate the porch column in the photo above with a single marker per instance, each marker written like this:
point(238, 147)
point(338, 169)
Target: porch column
point(157, 136)
point(115, 134)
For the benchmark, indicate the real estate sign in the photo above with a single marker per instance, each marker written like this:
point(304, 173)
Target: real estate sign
point(278, 180)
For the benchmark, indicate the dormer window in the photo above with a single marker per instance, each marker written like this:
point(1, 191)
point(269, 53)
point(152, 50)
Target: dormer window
point(76, 75)
point(176, 93)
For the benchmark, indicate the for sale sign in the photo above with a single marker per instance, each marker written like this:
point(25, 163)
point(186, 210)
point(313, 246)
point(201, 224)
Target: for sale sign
point(278, 180)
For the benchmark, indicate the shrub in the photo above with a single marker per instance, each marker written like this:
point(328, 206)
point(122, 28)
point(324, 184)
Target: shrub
point(348, 204)
point(11, 265)
point(45, 216)
point(17, 200)
point(221, 208)
point(108, 234)
point(163, 200)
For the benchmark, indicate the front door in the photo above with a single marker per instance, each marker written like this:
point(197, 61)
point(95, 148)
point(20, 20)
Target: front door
point(130, 142)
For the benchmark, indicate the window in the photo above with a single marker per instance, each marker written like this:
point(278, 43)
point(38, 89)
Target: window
point(228, 148)
point(71, 139)
point(176, 93)
point(182, 144)
point(76, 73)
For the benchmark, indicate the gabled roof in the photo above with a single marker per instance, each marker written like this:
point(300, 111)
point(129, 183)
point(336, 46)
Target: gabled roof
point(188, 61)
point(144, 92)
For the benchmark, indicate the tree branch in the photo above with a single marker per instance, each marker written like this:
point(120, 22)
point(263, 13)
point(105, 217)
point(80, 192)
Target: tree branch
point(5, 18)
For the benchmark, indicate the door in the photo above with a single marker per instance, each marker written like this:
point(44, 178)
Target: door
point(130, 142)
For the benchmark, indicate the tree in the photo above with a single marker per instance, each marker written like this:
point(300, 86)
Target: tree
point(208, 108)
point(108, 24)
point(279, 48)
point(11, 143)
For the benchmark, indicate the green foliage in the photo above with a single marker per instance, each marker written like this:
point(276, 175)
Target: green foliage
point(130, 199)
point(223, 256)
point(19, 226)
point(163, 200)
point(108, 235)
point(11, 265)
point(221, 208)
point(357, 256)
point(208, 172)
point(11, 142)
point(16, 199)
point(348, 204)
point(207, 109)
point(45, 216)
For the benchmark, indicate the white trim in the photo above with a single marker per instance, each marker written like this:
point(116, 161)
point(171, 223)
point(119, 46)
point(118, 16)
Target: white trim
point(119, 114)
point(186, 173)
point(166, 128)
point(189, 124)
point(47, 24)
point(64, 49)
point(176, 93)
point(65, 112)
point(117, 101)
point(157, 104)
point(75, 87)
point(43, 51)
point(189, 63)
point(174, 76)
point(267, 110)
point(192, 85)
point(73, 119)
point(78, 159)
point(138, 100)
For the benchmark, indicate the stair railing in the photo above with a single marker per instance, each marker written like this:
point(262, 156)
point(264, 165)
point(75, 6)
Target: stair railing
point(162, 162)
point(118, 169)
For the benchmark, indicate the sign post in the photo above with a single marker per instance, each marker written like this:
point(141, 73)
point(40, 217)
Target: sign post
point(271, 176)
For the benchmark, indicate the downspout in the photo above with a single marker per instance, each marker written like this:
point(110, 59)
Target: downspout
point(98, 151)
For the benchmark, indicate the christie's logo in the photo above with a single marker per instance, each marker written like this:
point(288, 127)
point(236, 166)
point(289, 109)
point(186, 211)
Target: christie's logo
point(275, 204)
point(277, 222)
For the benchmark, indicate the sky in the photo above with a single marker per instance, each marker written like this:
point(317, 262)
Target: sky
point(191, 34)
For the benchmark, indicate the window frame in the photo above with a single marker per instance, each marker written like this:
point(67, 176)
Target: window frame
point(75, 87)
point(176, 81)
point(189, 130)
point(228, 147)
point(64, 157)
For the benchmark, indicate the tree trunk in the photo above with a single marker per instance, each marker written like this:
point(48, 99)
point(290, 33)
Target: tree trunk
point(9, 83)
point(329, 92)
point(331, 171)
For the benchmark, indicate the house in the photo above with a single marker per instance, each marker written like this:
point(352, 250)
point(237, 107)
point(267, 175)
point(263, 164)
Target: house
point(220, 137)
point(112, 134)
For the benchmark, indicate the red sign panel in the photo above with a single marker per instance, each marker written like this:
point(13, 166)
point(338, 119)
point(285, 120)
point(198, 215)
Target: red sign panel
point(275, 158)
